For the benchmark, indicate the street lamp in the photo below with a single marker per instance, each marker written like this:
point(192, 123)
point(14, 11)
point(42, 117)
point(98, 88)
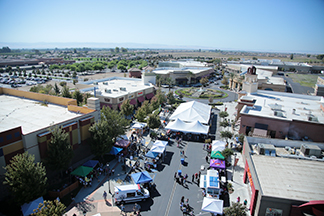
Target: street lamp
point(233, 166)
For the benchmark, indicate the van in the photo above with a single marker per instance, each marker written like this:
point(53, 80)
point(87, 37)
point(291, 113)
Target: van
point(130, 193)
point(210, 183)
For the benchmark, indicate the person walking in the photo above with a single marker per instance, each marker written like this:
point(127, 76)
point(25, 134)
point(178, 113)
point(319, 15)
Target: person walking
point(105, 195)
point(122, 208)
point(245, 202)
point(238, 199)
point(193, 178)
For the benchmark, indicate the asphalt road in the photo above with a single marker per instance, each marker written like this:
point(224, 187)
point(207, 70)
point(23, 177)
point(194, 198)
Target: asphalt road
point(166, 199)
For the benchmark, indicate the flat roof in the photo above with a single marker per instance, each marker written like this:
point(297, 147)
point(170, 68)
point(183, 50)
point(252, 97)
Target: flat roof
point(31, 115)
point(116, 86)
point(167, 70)
point(269, 102)
point(290, 178)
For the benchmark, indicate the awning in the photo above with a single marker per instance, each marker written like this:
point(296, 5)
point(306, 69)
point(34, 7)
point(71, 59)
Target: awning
point(212, 205)
point(141, 99)
point(122, 143)
point(151, 154)
point(133, 101)
point(149, 96)
point(105, 104)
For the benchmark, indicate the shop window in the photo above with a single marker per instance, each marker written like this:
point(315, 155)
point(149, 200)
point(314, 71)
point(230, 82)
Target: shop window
point(9, 137)
point(273, 212)
point(17, 134)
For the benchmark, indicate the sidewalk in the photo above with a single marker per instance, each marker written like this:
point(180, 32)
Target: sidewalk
point(90, 200)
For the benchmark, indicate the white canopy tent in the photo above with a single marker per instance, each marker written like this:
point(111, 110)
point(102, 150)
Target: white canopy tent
point(160, 143)
point(212, 205)
point(158, 149)
point(192, 111)
point(193, 127)
point(218, 145)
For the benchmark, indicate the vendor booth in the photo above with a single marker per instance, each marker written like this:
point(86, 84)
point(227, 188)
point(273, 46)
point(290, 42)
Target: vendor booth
point(217, 163)
point(82, 171)
point(212, 205)
point(114, 150)
point(139, 128)
point(192, 111)
point(141, 177)
point(91, 163)
point(124, 144)
point(160, 143)
point(151, 154)
point(217, 155)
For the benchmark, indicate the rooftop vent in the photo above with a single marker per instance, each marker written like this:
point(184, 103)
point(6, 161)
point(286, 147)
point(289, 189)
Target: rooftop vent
point(122, 89)
point(108, 91)
point(279, 114)
point(105, 83)
point(115, 90)
point(312, 118)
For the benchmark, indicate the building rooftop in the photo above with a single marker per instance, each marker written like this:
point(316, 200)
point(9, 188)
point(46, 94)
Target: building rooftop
point(31, 115)
point(290, 178)
point(116, 86)
point(286, 106)
point(167, 70)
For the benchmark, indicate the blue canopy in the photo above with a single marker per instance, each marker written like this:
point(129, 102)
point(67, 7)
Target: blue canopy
point(151, 154)
point(141, 177)
point(114, 150)
point(28, 208)
point(91, 163)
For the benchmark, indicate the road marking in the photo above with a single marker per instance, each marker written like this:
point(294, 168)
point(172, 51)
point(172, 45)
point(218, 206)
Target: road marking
point(173, 190)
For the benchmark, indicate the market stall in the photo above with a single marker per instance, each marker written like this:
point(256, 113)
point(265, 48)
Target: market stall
point(141, 177)
point(212, 205)
point(217, 155)
point(124, 144)
point(91, 163)
point(217, 163)
point(28, 208)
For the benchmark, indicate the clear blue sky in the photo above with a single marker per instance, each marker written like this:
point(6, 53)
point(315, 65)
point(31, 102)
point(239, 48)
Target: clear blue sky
point(261, 25)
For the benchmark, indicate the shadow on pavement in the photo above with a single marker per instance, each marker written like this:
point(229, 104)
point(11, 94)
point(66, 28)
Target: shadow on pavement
point(85, 206)
point(154, 192)
point(168, 158)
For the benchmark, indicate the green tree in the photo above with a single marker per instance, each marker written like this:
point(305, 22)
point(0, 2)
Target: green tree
point(78, 97)
point(26, 179)
point(101, 141)
point(170, 97)
point(126, 108)
point(66, 92)
point(153, 121)
point(140, 114)
point(60, 152)
point(255, 58)
point(49, 208)
point(223, 114)
point(227, 152)
point(224, 81)
point(226, 134)
point(117, 49)
point(210, 100)
point(116, 122)
point(56, 89)
point(224, 124)
point(236, 209)
point(291, 56)
point(204, 81)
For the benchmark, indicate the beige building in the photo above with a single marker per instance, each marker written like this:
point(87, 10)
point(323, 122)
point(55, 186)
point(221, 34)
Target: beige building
point(319, 86)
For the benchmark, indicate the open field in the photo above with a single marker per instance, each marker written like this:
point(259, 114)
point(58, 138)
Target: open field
point(308, 80)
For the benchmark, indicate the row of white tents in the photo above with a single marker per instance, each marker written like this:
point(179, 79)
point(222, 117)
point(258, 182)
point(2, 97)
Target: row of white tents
point(190, 117)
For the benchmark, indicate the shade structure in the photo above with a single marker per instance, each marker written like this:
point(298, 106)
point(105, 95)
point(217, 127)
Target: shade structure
point(158, 149)
point(160, 143)
point(82, 171)
point(217, 163)
point(28, 208)
point(141, 99)
point(141, 177)
point(218, 145)
point(212, 205)
point(149, 95)
point(91, 163)
point(115, 150)
point(217, 155)
point(133, 101)
point(122, 143)
point(192, 111)
point(139, 125)
point(195, 127)
point(151, 154)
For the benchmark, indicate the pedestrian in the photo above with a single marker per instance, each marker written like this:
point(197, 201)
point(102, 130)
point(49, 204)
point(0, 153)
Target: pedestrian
point(122, 208)
point(199, 174)
point(193, 178)
point(245, 202)
point(105, 195)
point(206, 158)
point(196, 175)
point(238, 199)
point(198, 181)
point(204, 146)
point(112, 172)
point(181, 179)
point(182, 199)
point(187, 203)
